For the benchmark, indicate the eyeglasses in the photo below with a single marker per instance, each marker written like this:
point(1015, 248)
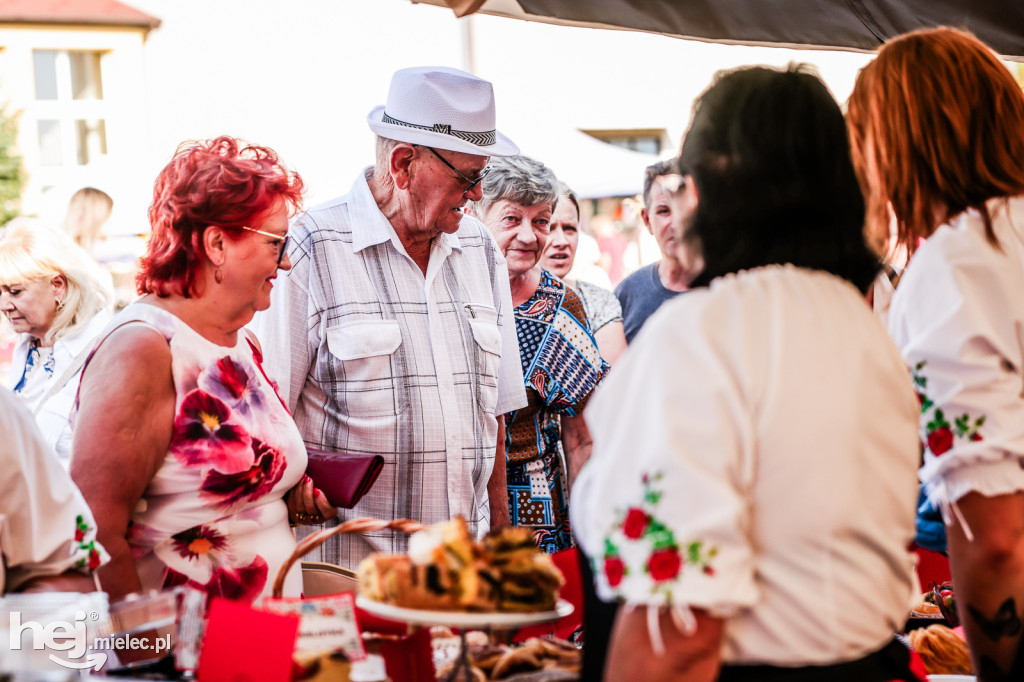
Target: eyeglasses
point(282, 240)
point(470, 183)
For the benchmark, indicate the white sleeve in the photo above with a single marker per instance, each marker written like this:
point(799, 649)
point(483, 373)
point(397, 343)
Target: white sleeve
point(956, 319)
point(511, 389)
point(46, 528)
point(661, 507)
point(283, 330)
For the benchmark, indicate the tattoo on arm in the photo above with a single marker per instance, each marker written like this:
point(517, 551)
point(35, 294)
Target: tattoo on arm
point(1005, 623)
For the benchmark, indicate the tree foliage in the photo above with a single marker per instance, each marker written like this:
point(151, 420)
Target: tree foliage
point(12, 173)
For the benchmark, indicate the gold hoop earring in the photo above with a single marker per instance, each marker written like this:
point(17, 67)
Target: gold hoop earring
point(218, 275)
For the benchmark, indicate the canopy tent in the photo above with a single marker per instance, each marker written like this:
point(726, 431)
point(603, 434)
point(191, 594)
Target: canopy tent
point(831, 24)
point(574, 156)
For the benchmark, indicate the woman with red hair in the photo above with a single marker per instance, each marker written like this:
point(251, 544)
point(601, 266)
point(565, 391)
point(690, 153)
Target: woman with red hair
point(937, 129)
point(183, 449)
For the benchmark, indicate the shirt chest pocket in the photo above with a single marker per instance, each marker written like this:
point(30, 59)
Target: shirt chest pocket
point(487, 340)
point(366, 375)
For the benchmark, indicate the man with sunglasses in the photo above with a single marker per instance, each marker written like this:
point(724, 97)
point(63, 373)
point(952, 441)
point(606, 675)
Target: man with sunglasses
point(393, 332)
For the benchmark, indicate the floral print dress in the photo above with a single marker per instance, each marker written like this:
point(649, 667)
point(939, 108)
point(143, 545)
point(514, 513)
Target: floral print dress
point(213, 516)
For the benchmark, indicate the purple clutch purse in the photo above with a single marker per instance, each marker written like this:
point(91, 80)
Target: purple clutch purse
point(343, 478)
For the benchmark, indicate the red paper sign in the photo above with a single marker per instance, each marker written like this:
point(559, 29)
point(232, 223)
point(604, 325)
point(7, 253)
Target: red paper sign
point(242, 644)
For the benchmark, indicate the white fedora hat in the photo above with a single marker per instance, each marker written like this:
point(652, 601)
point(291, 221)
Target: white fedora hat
point(437, 106)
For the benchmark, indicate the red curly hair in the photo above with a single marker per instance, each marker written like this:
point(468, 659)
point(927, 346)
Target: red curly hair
point(222, 182)
point(935, 121)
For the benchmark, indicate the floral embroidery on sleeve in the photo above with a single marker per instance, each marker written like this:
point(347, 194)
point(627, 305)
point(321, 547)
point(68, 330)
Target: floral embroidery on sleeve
point(85, 538)
point(940, 434)
point(665, 557)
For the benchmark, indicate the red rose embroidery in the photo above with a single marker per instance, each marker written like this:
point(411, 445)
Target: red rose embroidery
point(709, 571)
point(635, 524)
point(79, 535)
point(976, 436)
point(614, 570)
point(94, 560)
point(940, 440)
point(665, 564)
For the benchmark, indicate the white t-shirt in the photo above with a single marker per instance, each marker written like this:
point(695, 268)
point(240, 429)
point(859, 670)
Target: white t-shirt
point(958, 319)
point(754, 456)
point(46, 528)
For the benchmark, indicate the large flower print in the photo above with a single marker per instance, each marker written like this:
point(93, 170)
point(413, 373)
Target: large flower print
point(232, 490)
point(195, 552)
point(201, 557)
point(239, 584)
point(233, 383)
point(207, 433)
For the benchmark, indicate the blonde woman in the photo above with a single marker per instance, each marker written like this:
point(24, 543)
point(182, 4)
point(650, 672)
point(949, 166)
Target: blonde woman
point(51, 292)
point(88, 211)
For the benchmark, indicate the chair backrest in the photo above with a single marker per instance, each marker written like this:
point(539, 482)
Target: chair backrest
point(319, 578)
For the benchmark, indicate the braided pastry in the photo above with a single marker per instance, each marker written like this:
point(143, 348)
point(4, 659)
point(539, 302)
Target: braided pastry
point(941, 650)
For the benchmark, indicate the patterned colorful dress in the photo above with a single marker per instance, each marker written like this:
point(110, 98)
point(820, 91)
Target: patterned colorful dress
point(213, 514)
point(561, 368)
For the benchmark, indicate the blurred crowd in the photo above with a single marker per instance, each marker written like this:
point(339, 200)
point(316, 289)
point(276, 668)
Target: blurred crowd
point(740, 422)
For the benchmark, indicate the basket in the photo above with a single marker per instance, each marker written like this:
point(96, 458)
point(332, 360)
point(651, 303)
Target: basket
point(355, 526)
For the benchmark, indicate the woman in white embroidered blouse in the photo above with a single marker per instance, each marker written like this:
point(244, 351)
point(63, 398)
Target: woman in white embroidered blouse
point(755, 450)
point(51, 292)
point(937, 123)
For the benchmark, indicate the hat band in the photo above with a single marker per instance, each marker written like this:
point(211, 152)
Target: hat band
point(480, 139)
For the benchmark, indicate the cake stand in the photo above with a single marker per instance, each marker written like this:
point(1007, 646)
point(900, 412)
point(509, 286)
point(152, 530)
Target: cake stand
point(464, 620)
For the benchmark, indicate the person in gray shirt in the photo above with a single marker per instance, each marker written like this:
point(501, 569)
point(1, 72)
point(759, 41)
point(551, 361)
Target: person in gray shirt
point(645, 290)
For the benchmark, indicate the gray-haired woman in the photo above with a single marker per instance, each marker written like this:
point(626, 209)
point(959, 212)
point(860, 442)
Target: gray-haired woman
point(547, 441)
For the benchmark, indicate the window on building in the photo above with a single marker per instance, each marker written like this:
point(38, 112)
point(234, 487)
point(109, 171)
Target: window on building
point(71, 113)
point(646, 140)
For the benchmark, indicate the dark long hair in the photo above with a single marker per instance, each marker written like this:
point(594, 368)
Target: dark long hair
point(768, 151)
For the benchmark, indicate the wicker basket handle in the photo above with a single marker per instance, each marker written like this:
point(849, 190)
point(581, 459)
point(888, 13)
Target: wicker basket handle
point(353, 526)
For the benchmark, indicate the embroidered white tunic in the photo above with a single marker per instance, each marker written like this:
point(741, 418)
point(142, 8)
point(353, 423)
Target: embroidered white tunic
point(754, 456)
point(958, 319)
point(373, 356)
point(46, 528)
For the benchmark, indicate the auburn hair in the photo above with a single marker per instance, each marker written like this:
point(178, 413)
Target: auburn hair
point(222, 182)
point(936, 125)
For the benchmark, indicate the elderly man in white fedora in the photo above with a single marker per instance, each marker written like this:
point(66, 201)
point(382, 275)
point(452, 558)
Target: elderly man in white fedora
point(393, 331)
